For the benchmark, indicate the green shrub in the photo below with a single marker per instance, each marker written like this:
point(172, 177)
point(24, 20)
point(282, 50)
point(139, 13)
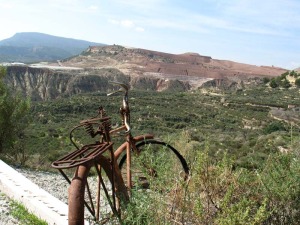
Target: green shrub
point(266, 80)
point(297, 82)
point(274, 126)
point(220, 193)
point(281, 185)
point(285, 84)
point(274, 83)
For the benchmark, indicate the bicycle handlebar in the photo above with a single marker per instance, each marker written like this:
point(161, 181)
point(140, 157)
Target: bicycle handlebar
point(125, 112)
point(123, 88)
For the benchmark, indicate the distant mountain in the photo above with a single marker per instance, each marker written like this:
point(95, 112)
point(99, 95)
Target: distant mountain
point(34, 47)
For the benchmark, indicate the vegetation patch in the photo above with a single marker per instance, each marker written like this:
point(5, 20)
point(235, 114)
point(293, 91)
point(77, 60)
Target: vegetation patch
point(19, 212)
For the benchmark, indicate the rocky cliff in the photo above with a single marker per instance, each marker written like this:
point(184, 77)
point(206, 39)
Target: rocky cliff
point(141, 69)
point(44, 84)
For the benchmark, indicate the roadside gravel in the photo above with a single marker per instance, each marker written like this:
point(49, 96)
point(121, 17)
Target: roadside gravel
point(51, 182)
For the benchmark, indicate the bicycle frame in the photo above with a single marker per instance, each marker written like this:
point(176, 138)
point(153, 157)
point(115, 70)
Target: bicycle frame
point(130, 140)
point(128, 145)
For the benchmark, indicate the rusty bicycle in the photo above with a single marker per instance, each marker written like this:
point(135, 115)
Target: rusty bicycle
point(135, 164)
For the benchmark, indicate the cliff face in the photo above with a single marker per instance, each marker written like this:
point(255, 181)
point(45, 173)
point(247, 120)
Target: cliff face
point(229, 83)
point(44, 84)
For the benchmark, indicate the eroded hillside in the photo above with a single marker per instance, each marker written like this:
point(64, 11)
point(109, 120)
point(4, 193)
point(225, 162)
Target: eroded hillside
point(45, 84)
point(146, 62)
point(141, 69)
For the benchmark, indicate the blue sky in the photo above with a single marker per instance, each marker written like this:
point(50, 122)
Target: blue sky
point(259, 32)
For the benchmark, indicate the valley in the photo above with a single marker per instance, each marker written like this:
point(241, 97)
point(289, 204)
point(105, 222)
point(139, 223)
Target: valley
point(239, 135)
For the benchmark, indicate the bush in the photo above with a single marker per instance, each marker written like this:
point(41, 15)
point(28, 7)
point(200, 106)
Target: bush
point(281, 185)
point(219, 193)
point(266, 80)
point(285, 84)
point(293, 73)
point(13, 119)
point(297, 82)
point(274, 126)
point(274, 83)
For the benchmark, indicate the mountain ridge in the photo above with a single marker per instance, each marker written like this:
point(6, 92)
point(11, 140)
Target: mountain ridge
point(27, 47)
point(137, 62)
point(140, 68)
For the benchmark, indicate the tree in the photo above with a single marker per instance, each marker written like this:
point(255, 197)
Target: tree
point(13, 115)
point(285, 83)
point(293, 73)
point(266, 80)
point(297, 82)
point(273, 83)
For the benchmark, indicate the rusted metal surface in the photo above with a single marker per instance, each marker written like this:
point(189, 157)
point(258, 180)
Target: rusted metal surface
point(81, 156)
point(76, 196)
point(79, 187)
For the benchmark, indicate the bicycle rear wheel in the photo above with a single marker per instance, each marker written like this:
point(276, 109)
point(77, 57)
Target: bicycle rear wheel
point(157, 166)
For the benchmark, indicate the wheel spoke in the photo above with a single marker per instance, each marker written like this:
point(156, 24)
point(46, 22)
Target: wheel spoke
point(90, 199)
point(158, 165)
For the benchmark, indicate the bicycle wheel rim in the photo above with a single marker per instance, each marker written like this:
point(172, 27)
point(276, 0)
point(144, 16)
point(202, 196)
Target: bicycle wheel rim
point(153, 159)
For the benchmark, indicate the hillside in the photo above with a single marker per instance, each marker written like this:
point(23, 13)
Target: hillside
point(35, 47)
point(141, 61)
point(142, 69)
point(191, 67)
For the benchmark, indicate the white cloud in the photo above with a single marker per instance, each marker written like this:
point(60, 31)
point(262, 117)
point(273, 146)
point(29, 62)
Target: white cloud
point(127, 23)
point(115, 22)
point(6, 6)
point(139, 29)
point(180, 24)
point(274, 15)
point(93, 7)
point(141, 4)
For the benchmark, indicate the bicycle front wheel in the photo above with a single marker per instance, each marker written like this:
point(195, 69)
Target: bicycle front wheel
point(84, 192)
point(156, 165)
